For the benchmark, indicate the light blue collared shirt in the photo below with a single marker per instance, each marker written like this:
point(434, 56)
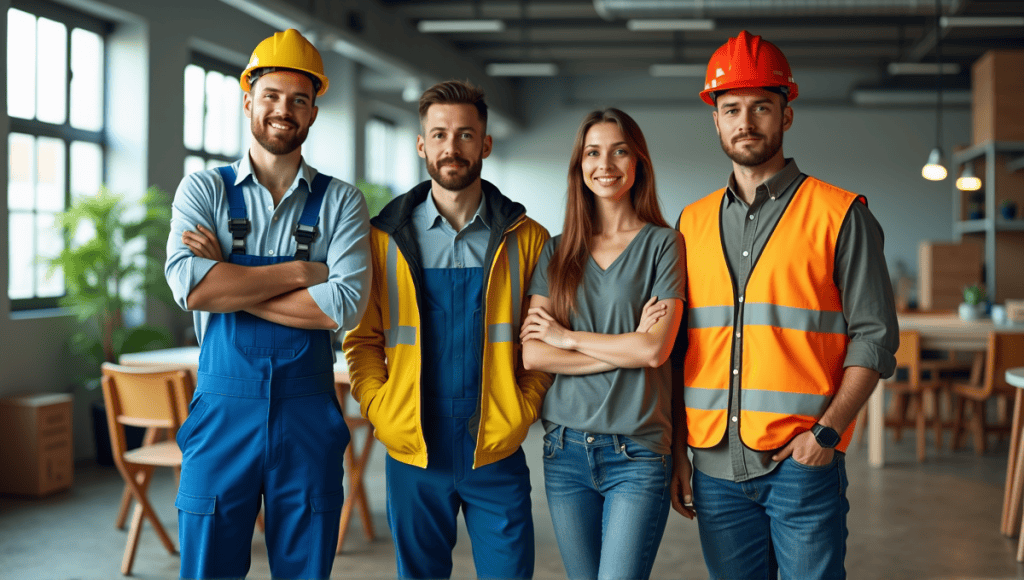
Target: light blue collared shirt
point(343, 240)
point(441, 246)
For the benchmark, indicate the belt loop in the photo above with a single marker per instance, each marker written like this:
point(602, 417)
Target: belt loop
point(615, 442)
point(561, 436)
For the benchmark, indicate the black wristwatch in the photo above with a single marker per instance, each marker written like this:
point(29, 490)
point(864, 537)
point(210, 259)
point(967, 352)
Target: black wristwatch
point(826, 436)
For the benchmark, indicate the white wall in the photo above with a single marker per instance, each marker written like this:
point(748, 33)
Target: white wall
point(875, 152)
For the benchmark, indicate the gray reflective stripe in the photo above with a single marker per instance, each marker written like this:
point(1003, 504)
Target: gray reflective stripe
point(785, 403)
point(395, 334)
point(501, 332)
point(710, 317)
point(795, 318)
point(512, 251)
point(706, 399)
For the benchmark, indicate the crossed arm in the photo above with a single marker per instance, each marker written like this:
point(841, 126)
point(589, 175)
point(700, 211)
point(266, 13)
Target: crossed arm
point(275, 292)
point(549, 346)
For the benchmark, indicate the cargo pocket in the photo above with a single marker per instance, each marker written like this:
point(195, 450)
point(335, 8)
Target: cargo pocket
point(197, 409)
point(324, 532)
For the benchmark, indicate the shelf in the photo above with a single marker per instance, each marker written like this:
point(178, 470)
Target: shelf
point(979, 150)
point(970, 227)
point(1015, 164)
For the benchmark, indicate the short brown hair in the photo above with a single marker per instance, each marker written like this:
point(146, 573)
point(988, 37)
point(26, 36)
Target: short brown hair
point(454, 93)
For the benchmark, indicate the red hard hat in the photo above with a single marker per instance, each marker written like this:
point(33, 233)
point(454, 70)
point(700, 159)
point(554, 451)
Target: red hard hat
point(747, 61)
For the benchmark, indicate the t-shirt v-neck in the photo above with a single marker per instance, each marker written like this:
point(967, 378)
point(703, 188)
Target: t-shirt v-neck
point(593, 263)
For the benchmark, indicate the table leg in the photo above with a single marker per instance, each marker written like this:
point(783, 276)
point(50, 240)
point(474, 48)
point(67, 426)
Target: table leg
point(1014, 473)
point(876, 426)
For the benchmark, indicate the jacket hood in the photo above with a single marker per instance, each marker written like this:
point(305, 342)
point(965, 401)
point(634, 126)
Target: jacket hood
point(397, 213)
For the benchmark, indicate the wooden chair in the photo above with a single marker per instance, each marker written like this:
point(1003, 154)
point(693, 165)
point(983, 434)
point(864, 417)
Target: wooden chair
point(156, 399)
point(1005, 350)
point(912, 397)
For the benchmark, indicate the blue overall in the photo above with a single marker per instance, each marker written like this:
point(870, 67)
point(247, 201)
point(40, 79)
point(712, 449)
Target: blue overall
point(264, 427)
point(495, 499)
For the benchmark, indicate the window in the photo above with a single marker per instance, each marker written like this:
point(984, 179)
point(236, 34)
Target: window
point(55, 87)
point(215, 126)
point(391, 158)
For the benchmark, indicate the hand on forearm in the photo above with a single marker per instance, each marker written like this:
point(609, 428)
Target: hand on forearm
point(539, 356)
point(231, 287)
point(296, 309)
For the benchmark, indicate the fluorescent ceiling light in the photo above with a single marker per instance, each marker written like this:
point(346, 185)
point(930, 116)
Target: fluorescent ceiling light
point(678, 70)
point(908, 97)
point(670, 24)
point(522, 69)
point(980, 21)
point(443, 26)
point(923, 68)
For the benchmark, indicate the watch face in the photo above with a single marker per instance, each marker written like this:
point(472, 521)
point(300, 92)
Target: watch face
point(826, 436)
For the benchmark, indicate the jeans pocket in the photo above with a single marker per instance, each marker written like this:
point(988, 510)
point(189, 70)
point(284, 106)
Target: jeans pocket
point(815, 468)
point(550, 448)
point(633, 451)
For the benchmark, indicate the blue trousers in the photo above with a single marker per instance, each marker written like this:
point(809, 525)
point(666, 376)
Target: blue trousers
point(423, 504)
point(609, 502)
point(792, 520)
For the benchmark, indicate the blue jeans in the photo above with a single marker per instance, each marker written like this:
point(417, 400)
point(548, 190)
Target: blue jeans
point(606, 487)
point(791, 520)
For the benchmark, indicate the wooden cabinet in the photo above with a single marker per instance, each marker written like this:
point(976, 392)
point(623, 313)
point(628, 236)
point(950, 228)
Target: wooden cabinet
point(1000, 164)
point(36, 456)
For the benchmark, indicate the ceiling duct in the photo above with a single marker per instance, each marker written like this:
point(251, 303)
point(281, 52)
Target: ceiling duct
point(626, 9)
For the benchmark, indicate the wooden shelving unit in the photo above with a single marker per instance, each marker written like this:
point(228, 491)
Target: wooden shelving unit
point(1000, 163)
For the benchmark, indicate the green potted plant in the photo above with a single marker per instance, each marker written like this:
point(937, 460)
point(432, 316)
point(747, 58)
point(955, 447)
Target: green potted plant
point(973, 306)
point(376, 195)
point(110, 268)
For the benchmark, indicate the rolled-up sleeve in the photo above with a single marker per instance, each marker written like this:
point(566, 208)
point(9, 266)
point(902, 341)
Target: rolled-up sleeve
point(344, 295)
point(194, 204)
point(868, 304)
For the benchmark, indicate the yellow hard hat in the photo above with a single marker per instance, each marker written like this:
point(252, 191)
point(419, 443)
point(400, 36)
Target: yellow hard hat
point(287, 50)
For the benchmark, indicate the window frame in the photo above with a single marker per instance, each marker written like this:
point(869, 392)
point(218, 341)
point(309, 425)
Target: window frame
point(212, 64)
point(71, 19)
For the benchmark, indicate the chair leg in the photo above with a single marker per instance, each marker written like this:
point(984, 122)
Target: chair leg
point(919, 423)
point(931, 399)
point(899, 413)
point(356, 498)
point(122, 510)
point(958, 423)
point(978, 426)
point(139, 484)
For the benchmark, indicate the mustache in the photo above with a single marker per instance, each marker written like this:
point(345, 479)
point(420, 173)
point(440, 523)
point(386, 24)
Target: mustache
point(452, 161)
point(748, 135)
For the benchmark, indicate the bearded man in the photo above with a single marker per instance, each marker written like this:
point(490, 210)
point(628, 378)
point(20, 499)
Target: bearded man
point(435, 363)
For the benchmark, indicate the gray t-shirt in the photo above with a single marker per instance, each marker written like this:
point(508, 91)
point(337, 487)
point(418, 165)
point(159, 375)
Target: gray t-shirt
point(637, 402)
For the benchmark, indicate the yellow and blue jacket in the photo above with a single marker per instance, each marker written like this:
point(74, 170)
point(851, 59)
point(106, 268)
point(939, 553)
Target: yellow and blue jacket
point(384, 352)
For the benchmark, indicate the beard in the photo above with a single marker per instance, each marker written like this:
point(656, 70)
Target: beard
point(753, 157)
point(456, 181)
point(277, 145)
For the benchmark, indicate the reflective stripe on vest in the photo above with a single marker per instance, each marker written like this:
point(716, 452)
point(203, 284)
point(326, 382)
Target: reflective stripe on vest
point(793, 332)
point(395, 334)
point(504, 331)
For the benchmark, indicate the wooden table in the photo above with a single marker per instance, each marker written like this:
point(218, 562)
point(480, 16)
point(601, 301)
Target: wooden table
point(355, 463)
point(939, 331)
point(1015, 485)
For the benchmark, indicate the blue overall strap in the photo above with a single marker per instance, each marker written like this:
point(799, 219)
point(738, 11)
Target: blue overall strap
point(238, 219)
point(306, 230)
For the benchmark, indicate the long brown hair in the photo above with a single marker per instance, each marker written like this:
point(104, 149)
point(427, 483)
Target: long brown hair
point(565, 271)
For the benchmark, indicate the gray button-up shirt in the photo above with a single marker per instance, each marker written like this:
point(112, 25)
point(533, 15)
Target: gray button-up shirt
point(441, 246)
point(860, 274)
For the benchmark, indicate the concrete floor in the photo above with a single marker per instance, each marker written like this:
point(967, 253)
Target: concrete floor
point(936, 521)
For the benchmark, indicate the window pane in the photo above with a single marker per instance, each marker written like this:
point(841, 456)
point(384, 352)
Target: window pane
point(194, 92)
point(86, 168)
point(52, 71)
point(50, 174)
point(49, 243)
point(194, 163)
point(21, 164)
point(86, 80)
point(20, 241)
point(215, 163)
point(21, 64)
point(231, 105)
point(213, 136)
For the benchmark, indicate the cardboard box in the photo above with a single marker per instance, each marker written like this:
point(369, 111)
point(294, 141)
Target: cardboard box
point(36, 456)
point(997, 83)
point(944, 270)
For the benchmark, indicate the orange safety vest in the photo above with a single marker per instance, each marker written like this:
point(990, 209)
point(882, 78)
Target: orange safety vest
point(793, 330)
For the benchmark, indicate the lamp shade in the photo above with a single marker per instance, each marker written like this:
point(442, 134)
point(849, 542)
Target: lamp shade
point(968, 181)
point(935, 169)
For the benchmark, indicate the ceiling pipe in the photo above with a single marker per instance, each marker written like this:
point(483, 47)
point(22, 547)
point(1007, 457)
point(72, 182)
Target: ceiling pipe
point(626, 9)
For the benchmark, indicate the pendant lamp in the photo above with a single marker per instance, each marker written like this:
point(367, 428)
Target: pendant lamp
point(968, 181)
point(935, 168)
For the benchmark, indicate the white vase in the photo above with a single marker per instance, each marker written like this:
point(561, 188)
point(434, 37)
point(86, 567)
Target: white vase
point(970, 311)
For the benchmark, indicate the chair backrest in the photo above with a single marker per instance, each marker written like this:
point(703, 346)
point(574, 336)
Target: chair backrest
point(1005, 351)
point(908, 355)
point(144, 397)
